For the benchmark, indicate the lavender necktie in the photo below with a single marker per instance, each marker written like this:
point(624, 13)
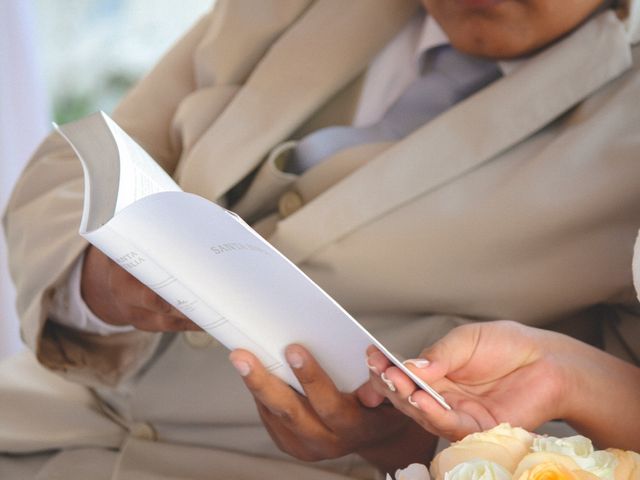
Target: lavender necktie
point(448, 77)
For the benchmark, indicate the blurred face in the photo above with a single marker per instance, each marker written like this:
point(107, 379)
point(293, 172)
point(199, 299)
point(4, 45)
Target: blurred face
point(508, 28)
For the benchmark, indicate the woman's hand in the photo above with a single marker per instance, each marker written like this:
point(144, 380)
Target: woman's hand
point(327, 423)
point(488, 372)
point(118, 298)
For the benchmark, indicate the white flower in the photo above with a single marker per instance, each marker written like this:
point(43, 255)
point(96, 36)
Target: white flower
point(415, 471)
point(576, 446)
point(478, 470)
point(580, 450)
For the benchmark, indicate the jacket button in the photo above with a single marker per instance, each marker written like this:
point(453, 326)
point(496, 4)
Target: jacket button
point(143, 431)
point(199, 339)
point(289, 203)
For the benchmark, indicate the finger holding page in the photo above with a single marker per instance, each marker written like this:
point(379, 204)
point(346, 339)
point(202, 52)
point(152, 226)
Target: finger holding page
point(421, 368)
point(147, 311)
point(465, 416)
point(290, 421)
point(322, 395)
point(342, 413)
point(267, 389)
point(378, 362)
point(397, 388)
point(368, 394)
point(417, 380)
point(327, 423)
point(395, 385)
point(118, 298)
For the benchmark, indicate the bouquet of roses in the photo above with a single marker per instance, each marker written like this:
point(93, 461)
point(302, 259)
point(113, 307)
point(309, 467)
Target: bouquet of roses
point(506, 453)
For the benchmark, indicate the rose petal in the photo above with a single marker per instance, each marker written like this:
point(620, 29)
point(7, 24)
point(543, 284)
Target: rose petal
point(538, 458)
point(415, 471)
point(503, 445)
point(478, 470)
point(628, 467)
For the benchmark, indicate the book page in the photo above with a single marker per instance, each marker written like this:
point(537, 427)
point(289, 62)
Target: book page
point(229, 266)
point(140, 175)
point(117, 171)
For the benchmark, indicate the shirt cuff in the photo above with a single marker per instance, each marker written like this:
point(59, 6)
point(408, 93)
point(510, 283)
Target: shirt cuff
point(70, 309)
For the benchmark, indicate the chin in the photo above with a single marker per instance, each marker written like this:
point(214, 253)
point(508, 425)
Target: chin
point(491, 43)
point(494, 51)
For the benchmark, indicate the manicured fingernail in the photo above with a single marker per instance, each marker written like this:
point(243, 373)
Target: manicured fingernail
point(413, 402)
point(295, 359)
point(417, 362)
point(373, 368)
point(388, 382)
point(243, 368)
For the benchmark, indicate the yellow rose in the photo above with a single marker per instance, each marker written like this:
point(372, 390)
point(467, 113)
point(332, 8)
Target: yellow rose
point(580, 449)
point(541, 458)
point(555, 471)
point(503, 445)
point(628, 467)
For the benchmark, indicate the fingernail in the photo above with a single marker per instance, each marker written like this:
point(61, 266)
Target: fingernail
point(388, 382)
point(243, 368)
point(413, 402)
point(295, 359)
point(417, 362)
point(373, 368)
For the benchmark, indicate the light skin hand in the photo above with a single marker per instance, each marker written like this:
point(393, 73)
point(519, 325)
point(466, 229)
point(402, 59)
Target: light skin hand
point(118, 298)
point(327, 423)
point(488, 372)
point(507, 372)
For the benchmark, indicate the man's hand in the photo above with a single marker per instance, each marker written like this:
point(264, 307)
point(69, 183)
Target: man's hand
point(327, 423)
point(488, 372)
point(118, 298)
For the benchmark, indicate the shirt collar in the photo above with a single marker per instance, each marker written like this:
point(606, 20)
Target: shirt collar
point(432, 35)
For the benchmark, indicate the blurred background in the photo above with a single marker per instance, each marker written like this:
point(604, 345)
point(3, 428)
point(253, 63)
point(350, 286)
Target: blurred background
point(60, 61)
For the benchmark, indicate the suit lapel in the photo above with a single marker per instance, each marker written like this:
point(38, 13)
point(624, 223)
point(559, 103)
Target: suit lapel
point(464, 137)
point(328, 50)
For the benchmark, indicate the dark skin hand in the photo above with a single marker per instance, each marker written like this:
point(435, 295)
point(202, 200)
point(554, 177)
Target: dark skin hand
point(328, 423)
point(324, 424)
point(118, 298)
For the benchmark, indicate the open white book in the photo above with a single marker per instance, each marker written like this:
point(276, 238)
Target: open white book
point(208, 263)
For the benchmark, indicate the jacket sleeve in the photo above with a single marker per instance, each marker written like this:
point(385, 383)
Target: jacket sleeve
point(165, 113)
point(42, 217)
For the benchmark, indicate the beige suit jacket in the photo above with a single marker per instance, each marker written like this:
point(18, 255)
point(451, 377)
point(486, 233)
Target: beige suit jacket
point(521, 202)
